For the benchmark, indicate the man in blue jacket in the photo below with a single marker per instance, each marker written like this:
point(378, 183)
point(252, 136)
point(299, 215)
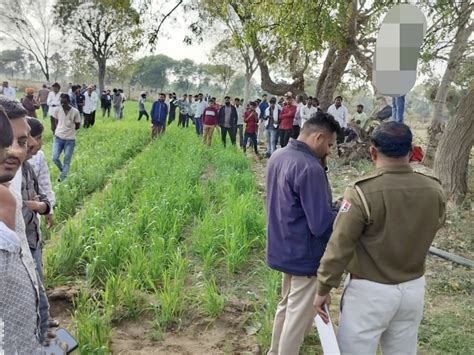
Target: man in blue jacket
point(228, 121)
point(299, 223)
point(159, 111)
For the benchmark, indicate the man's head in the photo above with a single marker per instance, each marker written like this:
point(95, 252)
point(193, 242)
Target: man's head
point(65, 101)
point(360, 108)
point(44, 86)
point(5, 84)
point(200, 97)
point(6, 140)
point(252, 106)
point(338, 101)
point(36, 132)
point(143, 95)
point(29, 91)
point(289, 98)
point(315, 102)
point(185, 96)
point(212, 102)
point(299, 99)
point(56, 87)
point(227, 100)
point(309, 102)
point(90, 88)
point(115, 90)
point(162, 97)
point(237, 101)
point(391, 144)
point(320, 133)
point(15, 154)
point(264, 97)
point(273, 101)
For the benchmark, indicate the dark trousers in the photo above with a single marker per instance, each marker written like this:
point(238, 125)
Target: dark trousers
point(106, 110)
point(231, 131)
point(53, 123)
point(171, 117)
point(198, 123)
point(89, 119)
point(285, 135)
point(45, 108)
point(341, 136)
point(253, 140)
point(143, 113)
point(240, 130)
point(183, 120)
point(296, 132)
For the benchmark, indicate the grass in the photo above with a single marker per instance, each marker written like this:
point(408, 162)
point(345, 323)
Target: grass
point(176, 230)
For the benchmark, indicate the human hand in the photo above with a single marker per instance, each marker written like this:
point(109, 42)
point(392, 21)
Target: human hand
point(319, 302)
point(49, 221)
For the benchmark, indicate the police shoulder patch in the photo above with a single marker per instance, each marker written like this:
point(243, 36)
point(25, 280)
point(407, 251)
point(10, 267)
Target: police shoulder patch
point(345, 206)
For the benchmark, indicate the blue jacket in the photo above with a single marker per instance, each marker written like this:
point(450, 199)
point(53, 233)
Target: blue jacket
point(299, 210)
point(159, 111)
point(263, 106)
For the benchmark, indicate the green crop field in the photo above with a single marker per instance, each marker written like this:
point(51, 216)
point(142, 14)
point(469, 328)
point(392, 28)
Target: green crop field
point(167, 237)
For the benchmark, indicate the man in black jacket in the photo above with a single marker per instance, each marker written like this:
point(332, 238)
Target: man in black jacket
point(228, 121)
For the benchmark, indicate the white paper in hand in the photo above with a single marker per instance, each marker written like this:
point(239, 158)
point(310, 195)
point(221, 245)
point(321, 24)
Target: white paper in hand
point(327, 335)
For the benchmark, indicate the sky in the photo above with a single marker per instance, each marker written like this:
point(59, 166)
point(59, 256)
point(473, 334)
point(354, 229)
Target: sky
point(170, 41)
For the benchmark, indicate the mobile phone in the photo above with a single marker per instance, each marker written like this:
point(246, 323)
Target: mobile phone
point(63, 343)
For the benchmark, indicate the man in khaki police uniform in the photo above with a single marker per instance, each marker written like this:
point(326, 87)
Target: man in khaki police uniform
point(381, 236)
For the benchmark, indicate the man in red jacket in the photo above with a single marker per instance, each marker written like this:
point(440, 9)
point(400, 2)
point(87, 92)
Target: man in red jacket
point(286, 120)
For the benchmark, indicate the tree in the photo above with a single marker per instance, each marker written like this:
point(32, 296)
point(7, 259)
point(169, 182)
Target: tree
point(103, 26)
point(29, 24)
point(153, 71)
point(452, 156)
point(59, 64)
point(464, 31)
point(9, 58)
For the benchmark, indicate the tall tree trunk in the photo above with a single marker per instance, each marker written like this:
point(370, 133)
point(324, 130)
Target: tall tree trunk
point(452, 156)
point(332, 78)
point(248, 78)
point(435, 130)
point(102, 63)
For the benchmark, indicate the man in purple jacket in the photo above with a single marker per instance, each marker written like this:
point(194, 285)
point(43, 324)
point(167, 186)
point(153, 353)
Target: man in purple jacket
point(299, 222)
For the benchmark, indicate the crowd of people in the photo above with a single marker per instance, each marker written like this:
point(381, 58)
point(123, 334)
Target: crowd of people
point(263, 121)
point(373, 236)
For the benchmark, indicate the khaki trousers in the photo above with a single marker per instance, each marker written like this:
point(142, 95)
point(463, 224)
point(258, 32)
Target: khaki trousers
point(294, 315)
point(373, 312)
point(207, 136)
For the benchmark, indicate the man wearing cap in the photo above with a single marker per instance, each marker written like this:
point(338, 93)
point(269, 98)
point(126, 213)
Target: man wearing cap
point(381, 236)
point(54, 101)
point(30, 103)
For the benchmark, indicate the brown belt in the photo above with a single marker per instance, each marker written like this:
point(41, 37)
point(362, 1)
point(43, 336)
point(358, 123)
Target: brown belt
point(356, 277)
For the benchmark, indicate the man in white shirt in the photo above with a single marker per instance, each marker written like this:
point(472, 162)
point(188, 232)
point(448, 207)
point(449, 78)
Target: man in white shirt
point(8, 91)
point(240, 119)
point(297, 121)
point(90, 106)
point(339, 111)
point(54, 102)
point(307, 111)
point(198, 112)
point(68, 121)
